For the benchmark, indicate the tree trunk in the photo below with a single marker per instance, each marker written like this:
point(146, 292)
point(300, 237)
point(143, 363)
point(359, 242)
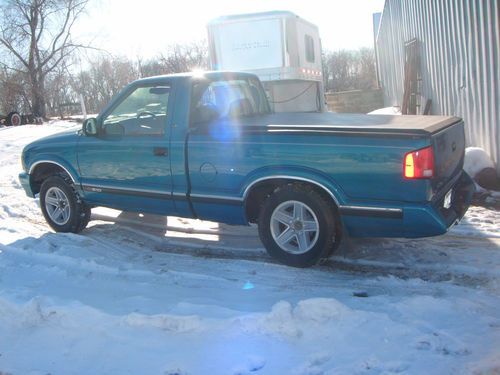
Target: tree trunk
point(38, 95)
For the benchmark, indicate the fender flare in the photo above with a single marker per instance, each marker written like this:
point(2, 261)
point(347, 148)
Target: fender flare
point(295, 174)
point(289, 177)
point(60, 163)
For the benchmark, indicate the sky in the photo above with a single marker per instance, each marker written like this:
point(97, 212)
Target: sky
point(145, 28)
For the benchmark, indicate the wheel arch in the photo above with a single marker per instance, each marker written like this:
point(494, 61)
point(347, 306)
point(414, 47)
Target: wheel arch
point(260, 188)
point(42, 169)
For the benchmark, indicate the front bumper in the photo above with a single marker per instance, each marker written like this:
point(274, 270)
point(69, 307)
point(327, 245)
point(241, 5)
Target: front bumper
point(24, 179)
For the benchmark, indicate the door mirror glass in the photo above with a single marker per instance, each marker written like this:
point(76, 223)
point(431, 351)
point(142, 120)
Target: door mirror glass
point(90, 127)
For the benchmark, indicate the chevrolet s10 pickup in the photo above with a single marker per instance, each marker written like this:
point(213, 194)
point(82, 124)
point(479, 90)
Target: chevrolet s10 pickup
point(208, 146)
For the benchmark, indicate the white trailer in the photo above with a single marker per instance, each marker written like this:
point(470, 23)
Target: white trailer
point(282, 49)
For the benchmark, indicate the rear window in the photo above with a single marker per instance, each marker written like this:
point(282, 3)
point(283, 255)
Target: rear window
point(227, 99)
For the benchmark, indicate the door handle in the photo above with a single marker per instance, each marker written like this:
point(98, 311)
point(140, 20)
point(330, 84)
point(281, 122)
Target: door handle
point(160, 151)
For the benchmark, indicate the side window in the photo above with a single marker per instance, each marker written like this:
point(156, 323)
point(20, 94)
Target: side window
point(309, 44)
point(143, 112)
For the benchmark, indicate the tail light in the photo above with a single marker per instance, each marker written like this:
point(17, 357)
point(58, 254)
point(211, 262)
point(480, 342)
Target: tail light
point(419, 164)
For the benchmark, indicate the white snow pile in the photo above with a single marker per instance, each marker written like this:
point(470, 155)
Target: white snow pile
point(124, 298)
point(476, 159)
point(481, 168)
point(386, 111)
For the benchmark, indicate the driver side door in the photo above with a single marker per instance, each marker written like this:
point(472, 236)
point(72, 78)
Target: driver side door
point(127, 165)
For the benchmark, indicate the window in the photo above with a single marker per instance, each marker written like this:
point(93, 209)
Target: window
point(309, 44)
point(143, 112)
point(227, 99)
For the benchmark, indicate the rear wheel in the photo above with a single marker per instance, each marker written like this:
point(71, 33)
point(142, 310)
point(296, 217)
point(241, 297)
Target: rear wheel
point(61, 206)
point(298, 226)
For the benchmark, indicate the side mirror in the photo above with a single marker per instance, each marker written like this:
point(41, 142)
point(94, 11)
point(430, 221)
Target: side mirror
point(90, 127)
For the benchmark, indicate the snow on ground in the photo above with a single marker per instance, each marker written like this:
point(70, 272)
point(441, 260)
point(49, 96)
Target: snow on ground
point(153, 295)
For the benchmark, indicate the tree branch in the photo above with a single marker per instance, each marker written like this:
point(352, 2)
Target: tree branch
point(13, 51)
point(11, 68)
point(75, 8)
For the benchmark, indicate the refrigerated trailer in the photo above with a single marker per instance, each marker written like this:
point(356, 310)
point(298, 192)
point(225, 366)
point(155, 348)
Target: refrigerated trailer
point(281, 48)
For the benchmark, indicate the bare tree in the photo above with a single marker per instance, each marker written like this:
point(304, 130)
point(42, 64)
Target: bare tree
point(149, 68)
point(349, 70)
point(61, 99)
point(13, 88)
point(367, 74)
point(107, 75)
point(37, 37)
point(184, 58)
point(105, 78)
point(177, 58)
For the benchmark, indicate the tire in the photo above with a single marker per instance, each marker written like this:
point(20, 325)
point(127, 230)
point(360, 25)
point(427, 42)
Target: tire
point(298, 226)
point(61, 206)
point(14, 119)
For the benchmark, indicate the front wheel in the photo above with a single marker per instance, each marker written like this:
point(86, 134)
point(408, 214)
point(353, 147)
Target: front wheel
point(298, 226)
point(61, 206)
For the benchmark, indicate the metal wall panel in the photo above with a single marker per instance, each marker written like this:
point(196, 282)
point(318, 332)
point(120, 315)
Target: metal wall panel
point(460, 61)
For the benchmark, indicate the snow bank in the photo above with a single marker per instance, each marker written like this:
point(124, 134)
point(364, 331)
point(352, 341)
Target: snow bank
point(177, 324)
point(288, 321)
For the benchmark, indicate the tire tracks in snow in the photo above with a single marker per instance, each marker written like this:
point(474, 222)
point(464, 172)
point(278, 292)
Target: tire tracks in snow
point(137, 234)
point(144, 235)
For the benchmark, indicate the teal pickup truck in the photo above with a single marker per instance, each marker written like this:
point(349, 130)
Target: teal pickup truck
point(207, 146)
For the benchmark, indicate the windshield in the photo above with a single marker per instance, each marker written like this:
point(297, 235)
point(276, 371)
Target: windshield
point(143, 100)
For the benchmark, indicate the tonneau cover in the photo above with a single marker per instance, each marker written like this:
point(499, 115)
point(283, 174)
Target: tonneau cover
point(346, 122)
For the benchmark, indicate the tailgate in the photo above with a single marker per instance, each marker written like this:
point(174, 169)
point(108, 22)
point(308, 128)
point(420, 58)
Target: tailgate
point(449, 151)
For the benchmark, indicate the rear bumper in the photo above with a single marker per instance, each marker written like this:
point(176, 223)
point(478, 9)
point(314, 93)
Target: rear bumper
point(24, 179)
point(461, 197)
point(417, 220)
point(435, 219)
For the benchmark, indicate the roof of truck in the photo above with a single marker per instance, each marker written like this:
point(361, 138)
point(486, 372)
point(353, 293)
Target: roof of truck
point(196, 74)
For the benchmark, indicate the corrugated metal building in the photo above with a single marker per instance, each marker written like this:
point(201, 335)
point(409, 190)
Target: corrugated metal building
point(459, 46)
